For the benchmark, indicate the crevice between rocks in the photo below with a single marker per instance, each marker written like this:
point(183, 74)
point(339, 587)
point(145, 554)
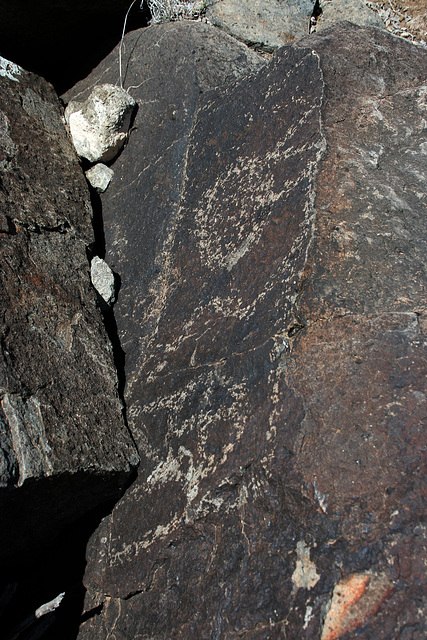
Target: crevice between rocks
point(109, 320)
point(317, 12)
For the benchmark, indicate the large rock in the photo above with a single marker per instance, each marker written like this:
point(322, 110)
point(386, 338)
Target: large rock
point(64, 445)
point(273, 315)
point(167, 83)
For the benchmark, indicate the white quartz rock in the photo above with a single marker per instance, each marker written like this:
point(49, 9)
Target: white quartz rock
point(103, 280)
point(99, 126)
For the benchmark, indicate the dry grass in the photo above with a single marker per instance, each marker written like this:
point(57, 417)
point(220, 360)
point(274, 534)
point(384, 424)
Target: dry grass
point(166, 10)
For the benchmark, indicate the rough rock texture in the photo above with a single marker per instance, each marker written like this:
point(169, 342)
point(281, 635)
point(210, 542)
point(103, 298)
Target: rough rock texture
point(64, 445)
point(354, 11)
point(262, 24)
point(9, 69)
point(266, 25)
point(99, 126)
point(273, 315)
point(170, 10)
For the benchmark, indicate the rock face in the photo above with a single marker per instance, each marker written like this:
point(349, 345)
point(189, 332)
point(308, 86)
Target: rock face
point(273, 317)
point(64, 444)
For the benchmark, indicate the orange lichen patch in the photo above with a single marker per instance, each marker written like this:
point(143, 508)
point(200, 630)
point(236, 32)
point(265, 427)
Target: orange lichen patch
point(354, 600)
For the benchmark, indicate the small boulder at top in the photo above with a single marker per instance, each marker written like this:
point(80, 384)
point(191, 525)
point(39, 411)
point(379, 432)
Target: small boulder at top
point(99, 177)
point(103, 280)
point(262, 24)
point(354, 11)
point(99, 126)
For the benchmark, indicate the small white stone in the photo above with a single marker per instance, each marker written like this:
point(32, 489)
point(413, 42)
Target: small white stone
point(103, 280)
point(100, 176)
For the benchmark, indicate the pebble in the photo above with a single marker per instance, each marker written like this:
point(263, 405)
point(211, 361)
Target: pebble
point(103, 280)
point(99, 176)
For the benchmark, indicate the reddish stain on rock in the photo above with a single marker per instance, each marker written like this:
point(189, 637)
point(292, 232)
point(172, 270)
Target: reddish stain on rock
point(354, 600)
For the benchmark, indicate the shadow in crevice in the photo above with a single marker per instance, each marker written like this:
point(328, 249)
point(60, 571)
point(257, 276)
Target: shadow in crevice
point(91, 613)
point(56, 569)
point(98, 247)
point(118, 353)
point(110, 324)
point(317, 12)
point(64, 43)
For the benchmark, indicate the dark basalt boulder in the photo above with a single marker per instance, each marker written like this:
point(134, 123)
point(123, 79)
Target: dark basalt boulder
point(270, 235)
point(64, 446)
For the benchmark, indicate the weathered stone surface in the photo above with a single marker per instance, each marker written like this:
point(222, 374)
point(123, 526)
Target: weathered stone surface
point(262, 24)
point(404, 18)
point(9, 69)
point(170, 10)
point(274, 332)
point(61, 424)
point(99, 126)
point(354, 11)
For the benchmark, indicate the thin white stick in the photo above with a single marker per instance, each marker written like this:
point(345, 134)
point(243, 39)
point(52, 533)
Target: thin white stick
point(121, 43)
